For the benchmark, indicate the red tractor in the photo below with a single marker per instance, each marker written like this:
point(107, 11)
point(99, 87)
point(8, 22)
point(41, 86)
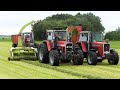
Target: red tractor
point(59, 48)
point(95, 49)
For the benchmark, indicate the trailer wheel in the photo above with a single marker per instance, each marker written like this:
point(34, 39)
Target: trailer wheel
point(43, 54)
point(8, 58)
point(78, 57)
point(54, 58)
point(114, 58)
point(92, 58)
point(14, 45)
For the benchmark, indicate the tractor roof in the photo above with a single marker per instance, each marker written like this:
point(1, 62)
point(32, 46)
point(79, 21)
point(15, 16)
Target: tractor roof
point(90, 32)
point(26, 32)
point(85, 31)
point(55, 30)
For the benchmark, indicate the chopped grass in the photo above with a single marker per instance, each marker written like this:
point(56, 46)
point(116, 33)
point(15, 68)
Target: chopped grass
point(28, 69)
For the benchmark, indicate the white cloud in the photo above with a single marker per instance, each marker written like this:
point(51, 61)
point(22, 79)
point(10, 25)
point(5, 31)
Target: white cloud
point(12, 21)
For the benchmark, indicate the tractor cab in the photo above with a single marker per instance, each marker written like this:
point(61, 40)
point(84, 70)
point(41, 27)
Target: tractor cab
point(60, 40)
point(27, 39)
point(96, 37)
point(93, 41)
point(56, 34)
point(91, 36)
point(57, 38)
point(85, 40)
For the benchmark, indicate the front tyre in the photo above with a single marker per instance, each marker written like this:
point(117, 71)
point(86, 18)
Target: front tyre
point(54, 58)
point(43, 54)
point(114, 58)
point(92, 58)
point(78, 57)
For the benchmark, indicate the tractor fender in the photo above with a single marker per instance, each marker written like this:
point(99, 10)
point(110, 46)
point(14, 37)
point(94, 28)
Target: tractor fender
point(83, 46)
point(48, 44)
point(111, 50)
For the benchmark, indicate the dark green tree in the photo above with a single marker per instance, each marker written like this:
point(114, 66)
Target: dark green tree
point(89, 21)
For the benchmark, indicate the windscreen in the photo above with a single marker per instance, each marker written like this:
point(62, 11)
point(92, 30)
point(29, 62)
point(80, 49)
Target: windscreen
point(97, 37)
point(61, 35)
point(83, 36)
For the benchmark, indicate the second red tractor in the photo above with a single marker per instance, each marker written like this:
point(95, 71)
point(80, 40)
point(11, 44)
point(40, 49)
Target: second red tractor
point(95, 49)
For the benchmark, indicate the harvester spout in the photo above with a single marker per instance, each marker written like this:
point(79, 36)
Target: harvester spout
point(21, 30)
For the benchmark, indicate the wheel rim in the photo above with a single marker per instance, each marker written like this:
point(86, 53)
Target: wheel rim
point(89, 59)
point(51, 59)
point(41, 55)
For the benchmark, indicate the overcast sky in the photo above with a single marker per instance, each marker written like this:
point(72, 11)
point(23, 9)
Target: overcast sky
point(12, 21)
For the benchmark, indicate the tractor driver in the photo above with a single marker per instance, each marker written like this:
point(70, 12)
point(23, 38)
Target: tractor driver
point(27, 40)
point(57, 37)
point(84, 37)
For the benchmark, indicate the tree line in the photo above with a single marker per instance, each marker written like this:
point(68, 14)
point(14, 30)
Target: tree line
point(113, 35)
point(89, 22)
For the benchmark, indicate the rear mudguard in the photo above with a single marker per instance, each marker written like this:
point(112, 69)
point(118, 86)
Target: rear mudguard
point(82, 46)
point(48, 44)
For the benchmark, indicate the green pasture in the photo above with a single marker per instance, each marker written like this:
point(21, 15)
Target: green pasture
point(28, 69)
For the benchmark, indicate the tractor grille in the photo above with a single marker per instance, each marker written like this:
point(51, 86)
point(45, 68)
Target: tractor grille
point(69, 46)
point(106, 47)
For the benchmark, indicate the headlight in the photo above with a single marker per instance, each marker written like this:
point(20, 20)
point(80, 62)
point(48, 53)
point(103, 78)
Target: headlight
point(69, 47)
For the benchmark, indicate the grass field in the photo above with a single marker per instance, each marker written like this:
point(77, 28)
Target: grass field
point(28, 69)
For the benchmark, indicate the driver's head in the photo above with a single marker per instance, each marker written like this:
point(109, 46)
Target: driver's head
point(27, 37)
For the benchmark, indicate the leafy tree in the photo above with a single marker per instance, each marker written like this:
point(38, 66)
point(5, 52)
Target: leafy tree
point(89, 22)
point(113, 35)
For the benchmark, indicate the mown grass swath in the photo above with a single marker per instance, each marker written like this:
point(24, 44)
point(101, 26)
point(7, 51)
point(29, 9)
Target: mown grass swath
point(28, 69)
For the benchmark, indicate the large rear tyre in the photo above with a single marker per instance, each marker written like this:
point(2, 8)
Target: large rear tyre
point(43, 54)
point(78, 57)
point(54, 58)
point(92, 58)
point(114, 58)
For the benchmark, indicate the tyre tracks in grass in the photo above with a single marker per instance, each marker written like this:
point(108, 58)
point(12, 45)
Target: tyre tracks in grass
point(63, 70)
point(100, 71)
point(32, 71)
point(86, 71)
